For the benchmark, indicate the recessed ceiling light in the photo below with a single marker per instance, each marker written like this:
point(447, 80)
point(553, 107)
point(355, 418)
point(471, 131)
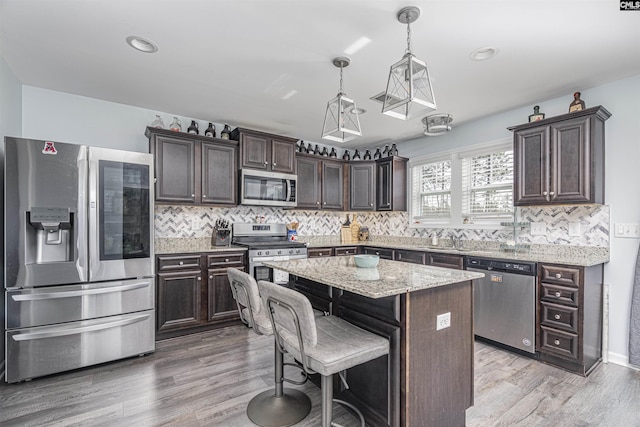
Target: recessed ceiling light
point(142, 44)
point(483, 53)
point(357, 45)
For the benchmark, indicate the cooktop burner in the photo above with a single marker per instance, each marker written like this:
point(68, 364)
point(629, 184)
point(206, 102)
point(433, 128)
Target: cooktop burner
point(263, 236)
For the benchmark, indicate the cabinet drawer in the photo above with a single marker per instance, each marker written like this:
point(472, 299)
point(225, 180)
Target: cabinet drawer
point(414, 257)
point(559, 294)
point(559, 343)
point(386, 309)
point(346, 250)
point(445, 260)
point(319, 252)
point(308, 287)
point(565, 276)
point(383, 253)
point(225, 259)
point(560, 316)
point(183, 262)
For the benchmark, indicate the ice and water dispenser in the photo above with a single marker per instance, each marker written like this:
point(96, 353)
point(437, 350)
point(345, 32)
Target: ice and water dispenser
point(49, 235)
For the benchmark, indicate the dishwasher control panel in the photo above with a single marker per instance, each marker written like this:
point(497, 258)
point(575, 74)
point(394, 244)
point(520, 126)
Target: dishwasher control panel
point(517, 267)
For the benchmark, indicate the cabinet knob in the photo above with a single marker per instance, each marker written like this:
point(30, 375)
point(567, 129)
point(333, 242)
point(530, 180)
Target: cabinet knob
point(320, 254)
point(558, 276)
point(558, 294)
point(377, 253)
point(274, 164)
point(557, 317)
point(557, 342)
point(544, 193)
point(266, 163)
point(204, 196)
point(317, 203)
point(551, 193)
point(371, 204)
point(193, 195)
point(226, 260)
point(199, 279)
point(210, 277)
point(181, 263)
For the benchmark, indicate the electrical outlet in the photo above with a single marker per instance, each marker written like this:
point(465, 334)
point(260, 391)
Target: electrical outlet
point(195, 224)
point(538, 229)
point(574, 229)
point(627, 230)
point(443, 321)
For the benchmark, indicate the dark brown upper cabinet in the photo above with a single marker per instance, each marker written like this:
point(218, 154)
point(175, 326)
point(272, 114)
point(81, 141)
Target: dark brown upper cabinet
point(560, 160)
point(321, 183)
point(391, 184)
point(193, 169)
point(362, 186)
point(264, 151)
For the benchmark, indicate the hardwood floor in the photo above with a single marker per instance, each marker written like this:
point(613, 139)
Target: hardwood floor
point(207, 379)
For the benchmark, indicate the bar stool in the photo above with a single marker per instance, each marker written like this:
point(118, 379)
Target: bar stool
point(325, 345)
point(271, 408)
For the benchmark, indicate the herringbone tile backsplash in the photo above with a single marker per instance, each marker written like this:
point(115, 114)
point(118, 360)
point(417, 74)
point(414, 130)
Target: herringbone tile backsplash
point(197, 221)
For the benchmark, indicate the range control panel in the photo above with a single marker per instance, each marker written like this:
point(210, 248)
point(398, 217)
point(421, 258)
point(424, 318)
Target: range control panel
point(518, 267)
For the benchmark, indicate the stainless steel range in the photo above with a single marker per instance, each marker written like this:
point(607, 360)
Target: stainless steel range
point(267, 242)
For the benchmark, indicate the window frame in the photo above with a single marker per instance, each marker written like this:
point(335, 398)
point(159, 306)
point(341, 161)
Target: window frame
point(457, 191)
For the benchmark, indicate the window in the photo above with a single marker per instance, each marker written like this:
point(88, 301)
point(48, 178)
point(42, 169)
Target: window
point(459, 187)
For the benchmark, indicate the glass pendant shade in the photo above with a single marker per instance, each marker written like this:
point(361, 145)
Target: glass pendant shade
point(341, 122)
point(409, 92)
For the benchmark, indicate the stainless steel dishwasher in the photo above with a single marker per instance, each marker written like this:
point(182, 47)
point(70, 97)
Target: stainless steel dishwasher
point(505, 301)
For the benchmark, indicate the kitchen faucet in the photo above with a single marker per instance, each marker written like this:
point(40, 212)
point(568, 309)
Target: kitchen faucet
point(455, 241)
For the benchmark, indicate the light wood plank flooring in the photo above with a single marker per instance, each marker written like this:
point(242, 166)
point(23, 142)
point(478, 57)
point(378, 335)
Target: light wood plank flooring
point(207, 379)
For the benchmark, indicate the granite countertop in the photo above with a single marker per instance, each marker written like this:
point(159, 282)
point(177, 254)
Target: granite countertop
point(388, 279)
point(581, 256)
point(190, 245)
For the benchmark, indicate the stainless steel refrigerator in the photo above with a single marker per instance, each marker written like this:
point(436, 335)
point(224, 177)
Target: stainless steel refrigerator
point(78, 256)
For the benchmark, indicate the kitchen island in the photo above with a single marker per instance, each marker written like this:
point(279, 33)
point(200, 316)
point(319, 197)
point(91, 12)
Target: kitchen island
point(427, 378)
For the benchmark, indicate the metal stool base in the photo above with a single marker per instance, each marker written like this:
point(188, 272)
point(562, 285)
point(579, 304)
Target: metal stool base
point(268, 410)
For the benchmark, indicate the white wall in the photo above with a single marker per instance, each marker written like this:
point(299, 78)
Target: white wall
point(622, 176)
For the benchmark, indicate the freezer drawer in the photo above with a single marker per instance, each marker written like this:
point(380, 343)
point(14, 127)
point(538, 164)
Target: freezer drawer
point(45, 350)
point(59, 304)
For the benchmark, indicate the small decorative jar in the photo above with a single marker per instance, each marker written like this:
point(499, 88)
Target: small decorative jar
point(157, 123)
point(194, 128)
point(211, 131)
point(226, 132)
point(175, 125)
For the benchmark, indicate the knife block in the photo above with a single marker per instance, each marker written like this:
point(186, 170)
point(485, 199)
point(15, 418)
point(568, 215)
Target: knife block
point(222, 237)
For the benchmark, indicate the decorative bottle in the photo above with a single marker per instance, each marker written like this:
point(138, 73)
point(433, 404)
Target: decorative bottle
point(394, 150)
point(301, 147)
point(157, 123)
point(175, 125)
point(367, 155)
point(211, 131)
point(356, 155)
point(377, 154)
point(333, 154)
point(346, 155)
point(355, 229)
point(194, 128)
point(325, 152)
point(316, 150)
point(309, 148)
point(226, 132)
point(385, 152)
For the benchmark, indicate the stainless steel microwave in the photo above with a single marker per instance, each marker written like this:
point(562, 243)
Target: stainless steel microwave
point(263, 188)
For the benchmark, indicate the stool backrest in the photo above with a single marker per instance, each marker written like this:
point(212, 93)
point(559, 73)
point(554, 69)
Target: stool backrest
point(289, 307)
point(245, 291)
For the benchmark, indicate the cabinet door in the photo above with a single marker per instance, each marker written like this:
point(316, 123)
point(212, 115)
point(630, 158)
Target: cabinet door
point(384, 186)
point(309, 187)
point(333, 185)
point(570, 165)
point(179, 300)
point(219, 174)
point(283, 156)
point(254, 151)
point(361, 185)
point(220, 305)
point(175, 169)
point(531, 166)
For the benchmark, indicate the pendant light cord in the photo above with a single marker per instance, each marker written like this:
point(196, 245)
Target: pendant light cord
point(408, 38)
point(340, 77)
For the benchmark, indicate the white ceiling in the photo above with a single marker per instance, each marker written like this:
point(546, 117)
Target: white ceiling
point(233, 60)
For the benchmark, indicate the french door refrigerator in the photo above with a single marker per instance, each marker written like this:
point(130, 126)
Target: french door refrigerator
point(78, 256)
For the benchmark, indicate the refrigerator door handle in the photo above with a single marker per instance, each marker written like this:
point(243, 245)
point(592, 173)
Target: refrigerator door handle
point(29, 336)
point(82, 244)
point(79, 293)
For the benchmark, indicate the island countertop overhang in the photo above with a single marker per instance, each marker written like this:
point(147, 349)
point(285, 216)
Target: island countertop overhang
point(389, 278)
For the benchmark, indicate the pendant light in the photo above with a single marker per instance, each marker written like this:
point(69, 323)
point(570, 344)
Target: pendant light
point(409, 92)
point(341, 122)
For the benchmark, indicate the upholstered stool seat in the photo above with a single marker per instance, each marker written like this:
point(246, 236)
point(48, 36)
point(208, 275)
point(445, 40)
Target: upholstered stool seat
point(325, 345)
point(271, 408)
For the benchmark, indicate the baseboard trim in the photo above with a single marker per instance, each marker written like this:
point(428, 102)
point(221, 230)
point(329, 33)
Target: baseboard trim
point(621, 359)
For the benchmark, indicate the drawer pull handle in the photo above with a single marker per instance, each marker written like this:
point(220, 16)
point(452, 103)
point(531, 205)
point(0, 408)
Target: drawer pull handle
point(557, 317)
point(557, 342)
point(181, 263)
point(558, 276)
point(558, 294)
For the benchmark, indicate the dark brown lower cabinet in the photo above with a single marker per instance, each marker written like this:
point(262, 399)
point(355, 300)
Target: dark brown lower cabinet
point(193, 292)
